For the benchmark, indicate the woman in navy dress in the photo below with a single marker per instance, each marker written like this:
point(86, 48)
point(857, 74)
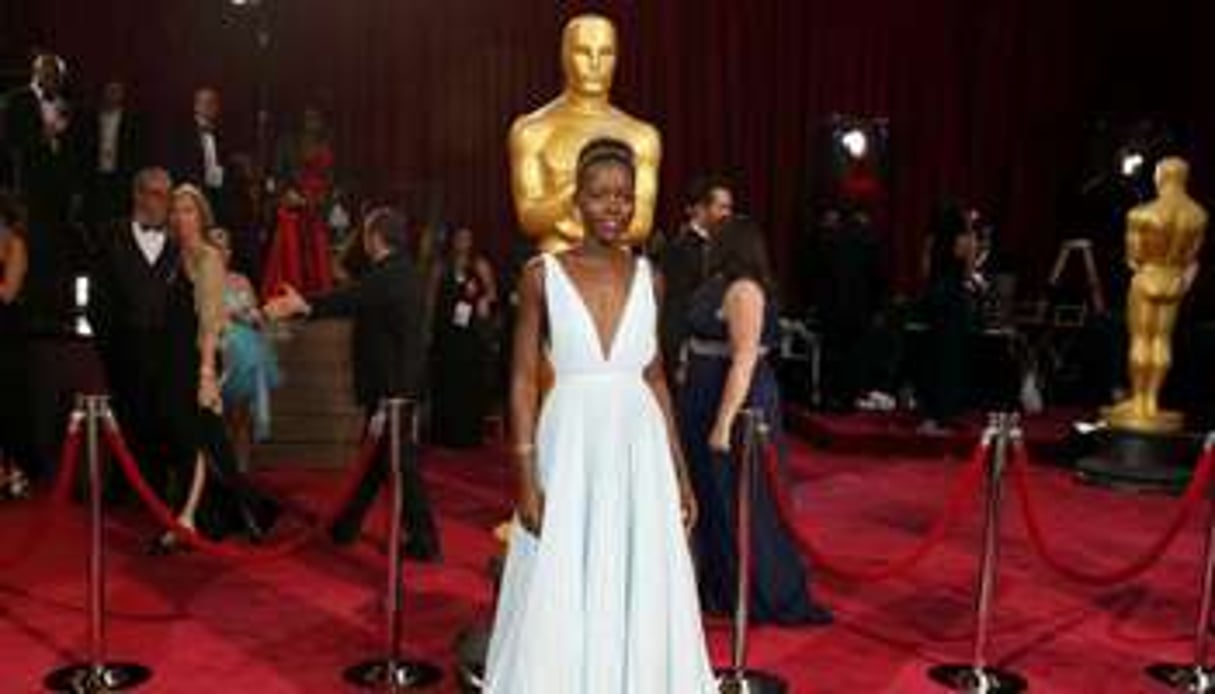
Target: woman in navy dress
point(734, 326)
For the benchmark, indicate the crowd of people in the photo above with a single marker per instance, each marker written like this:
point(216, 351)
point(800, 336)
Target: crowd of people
point(190, 253)
point(653, 355)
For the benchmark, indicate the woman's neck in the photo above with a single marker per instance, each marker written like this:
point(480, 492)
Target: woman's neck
point(594, 249)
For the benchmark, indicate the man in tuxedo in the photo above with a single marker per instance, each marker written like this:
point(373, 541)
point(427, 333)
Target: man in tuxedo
point(112, 147)
point(685, 264)
point(129, 312)
point(41, 143)
point(387, 305)
point(202, 153)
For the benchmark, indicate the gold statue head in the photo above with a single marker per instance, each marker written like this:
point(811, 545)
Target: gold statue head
point(1172, 172)
point(588, 55)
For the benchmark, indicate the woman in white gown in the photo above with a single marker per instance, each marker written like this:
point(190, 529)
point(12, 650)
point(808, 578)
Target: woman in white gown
point(599, 593)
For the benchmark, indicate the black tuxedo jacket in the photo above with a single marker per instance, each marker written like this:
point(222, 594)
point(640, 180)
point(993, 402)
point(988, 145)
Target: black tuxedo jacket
point(45, 175)
point(187, 159)
point(129, 300)
point(131, 144)
point(387, 307)
point(684, 265)
point(189, 166)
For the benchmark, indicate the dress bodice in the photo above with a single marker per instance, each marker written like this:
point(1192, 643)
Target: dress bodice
point(574, 344)
point(316, 169)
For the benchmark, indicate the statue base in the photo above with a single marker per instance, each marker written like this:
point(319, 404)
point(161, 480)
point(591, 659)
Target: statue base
point(1127, 417)
point(1140, 461)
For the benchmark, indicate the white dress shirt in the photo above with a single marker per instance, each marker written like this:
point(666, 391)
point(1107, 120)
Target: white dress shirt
point(52, 108)
point(151, 242)
point(107, 150)
point(213, 172)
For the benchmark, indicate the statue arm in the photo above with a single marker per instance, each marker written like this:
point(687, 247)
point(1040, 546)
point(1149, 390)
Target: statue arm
point(1195, 250)
point(1134, 243)
point(538, 212)
point(649, 157)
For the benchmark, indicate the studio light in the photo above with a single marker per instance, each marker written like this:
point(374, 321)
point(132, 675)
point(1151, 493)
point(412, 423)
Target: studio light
point(80, 296)
point(855, 142)
point(1131, 163)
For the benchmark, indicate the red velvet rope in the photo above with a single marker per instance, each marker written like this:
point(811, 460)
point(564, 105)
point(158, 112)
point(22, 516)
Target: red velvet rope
point(61, 491)
point(168, 518)
point(964, 488)
point(1195, 492)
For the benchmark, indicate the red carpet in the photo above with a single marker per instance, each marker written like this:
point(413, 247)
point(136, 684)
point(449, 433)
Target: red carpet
point(291, 626)
point(891, 433)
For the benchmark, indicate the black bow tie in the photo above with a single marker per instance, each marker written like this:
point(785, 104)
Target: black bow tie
point(152, 230)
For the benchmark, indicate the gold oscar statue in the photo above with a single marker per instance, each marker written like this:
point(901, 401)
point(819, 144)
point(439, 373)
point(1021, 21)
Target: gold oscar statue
point(1163, 238)
point(544, 144)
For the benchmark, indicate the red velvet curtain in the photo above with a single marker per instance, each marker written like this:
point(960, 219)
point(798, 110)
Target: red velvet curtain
point(986, 100)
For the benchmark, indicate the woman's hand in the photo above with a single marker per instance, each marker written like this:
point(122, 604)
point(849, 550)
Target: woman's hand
point(531, 509)
point(287, 304)
point(688, 507)
point(719, 438)
point(208, 392)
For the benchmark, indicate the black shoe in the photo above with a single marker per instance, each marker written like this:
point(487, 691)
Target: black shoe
point(166, 545)
point(423, 552)
point(815, 616)
point(260, 521)
point(344, 533)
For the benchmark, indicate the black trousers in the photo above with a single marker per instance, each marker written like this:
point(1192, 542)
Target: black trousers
point(416, 515)
point(152, 420)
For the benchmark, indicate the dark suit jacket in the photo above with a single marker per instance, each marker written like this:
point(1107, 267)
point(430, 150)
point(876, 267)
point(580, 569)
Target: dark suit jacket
point(387, 307)
point(189, 166)
point(46, 176)
point(129, 298)
point(684, 265)
point(131, 152)
point(129, 310)
point(187, 159)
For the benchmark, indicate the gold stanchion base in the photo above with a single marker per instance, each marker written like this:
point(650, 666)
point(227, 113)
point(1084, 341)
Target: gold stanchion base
point(82, 678)
point(393, 675)
point(1184, 678)
point(986, 680)
point(733, 681)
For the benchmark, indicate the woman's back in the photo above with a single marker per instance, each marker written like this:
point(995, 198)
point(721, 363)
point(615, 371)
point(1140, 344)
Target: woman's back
point(707, 321)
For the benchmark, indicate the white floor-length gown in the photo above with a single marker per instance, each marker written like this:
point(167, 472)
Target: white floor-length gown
point(605, 601)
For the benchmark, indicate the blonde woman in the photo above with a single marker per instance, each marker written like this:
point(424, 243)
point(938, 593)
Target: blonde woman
point(196, 325)
point(250, 366)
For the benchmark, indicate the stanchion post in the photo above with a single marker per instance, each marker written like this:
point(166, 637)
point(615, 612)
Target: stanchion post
point(1198, 676)
point(393, 672)
point(97, 675)
point(977, 676)
point(738, 678)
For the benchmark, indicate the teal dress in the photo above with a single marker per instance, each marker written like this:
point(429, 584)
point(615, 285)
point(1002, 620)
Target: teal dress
point(250, 366)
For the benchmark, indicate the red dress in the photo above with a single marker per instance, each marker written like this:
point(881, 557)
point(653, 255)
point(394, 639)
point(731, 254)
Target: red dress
point(299, 252)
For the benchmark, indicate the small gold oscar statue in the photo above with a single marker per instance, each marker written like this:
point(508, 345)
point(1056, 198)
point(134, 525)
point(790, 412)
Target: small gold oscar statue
point(544, 144)
point(1163, 238)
